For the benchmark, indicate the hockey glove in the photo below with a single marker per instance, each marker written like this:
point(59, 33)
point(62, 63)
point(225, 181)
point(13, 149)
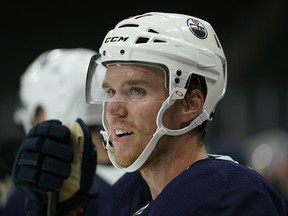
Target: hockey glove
point(54, 157)
point(80, 186)
point(43, 160)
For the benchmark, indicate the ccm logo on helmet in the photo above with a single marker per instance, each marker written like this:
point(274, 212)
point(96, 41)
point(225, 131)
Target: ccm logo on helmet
point(197, 28)
point(115, 39)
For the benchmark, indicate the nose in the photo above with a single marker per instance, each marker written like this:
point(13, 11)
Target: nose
point(116, 108)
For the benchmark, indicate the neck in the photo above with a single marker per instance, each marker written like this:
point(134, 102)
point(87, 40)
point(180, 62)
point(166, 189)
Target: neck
point(171, 156)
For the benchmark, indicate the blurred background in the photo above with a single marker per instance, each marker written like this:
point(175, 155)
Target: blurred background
point(251, 121)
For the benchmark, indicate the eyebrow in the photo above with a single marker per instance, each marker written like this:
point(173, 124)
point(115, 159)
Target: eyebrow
point(128, 82)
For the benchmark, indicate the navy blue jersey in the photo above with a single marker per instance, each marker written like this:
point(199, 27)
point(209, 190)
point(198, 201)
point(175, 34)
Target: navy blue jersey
point(15, 204)
point(208, 187)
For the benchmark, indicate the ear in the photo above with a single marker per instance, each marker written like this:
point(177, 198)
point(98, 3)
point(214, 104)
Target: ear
point(39, 116)
point(193, 105)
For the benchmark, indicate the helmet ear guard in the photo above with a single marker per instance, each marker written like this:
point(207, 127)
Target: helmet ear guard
point(186, 46)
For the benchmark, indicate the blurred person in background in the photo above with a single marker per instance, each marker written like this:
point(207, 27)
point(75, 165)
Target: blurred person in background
point(53, 87)
point(267, 152)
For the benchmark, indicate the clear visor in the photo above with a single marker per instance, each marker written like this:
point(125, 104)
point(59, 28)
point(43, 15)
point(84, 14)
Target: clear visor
point(95, 94)
point(127, 82)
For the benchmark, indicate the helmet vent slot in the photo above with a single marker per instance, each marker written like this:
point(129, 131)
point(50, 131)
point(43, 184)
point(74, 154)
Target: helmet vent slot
point(217, 41)
point(153, 31)
point(159, 41)
point(142, 40)
point(129, 25)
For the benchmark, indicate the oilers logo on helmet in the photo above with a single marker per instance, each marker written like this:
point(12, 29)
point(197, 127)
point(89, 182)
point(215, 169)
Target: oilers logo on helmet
point(197, 28)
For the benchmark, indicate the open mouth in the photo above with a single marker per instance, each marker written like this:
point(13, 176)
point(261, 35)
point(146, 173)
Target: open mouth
point(122, 133)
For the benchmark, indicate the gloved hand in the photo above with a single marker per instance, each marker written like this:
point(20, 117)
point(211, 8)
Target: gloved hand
point(80, 185)
point(43, 160)
point(54, 157)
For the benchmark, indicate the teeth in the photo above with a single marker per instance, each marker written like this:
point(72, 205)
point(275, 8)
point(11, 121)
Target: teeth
point(121, 132)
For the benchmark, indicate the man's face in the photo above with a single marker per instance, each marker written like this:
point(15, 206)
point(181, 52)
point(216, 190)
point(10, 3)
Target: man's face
point(135, 94)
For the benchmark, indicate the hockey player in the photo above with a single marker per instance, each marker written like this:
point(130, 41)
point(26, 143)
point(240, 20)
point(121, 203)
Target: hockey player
point(163, 75)
point(53, 87)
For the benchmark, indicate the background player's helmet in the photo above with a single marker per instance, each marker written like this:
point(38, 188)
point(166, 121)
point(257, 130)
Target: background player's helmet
point(183, 45)
point(56, 81)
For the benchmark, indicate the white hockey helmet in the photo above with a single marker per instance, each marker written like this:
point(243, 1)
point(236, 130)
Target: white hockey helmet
point(182, 44)
point(56, 81)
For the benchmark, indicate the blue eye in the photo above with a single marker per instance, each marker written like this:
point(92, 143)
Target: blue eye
point(137, 91)
point(110, 93)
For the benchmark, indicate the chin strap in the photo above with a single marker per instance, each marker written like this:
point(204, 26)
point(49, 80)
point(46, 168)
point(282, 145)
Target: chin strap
point(143, 156)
